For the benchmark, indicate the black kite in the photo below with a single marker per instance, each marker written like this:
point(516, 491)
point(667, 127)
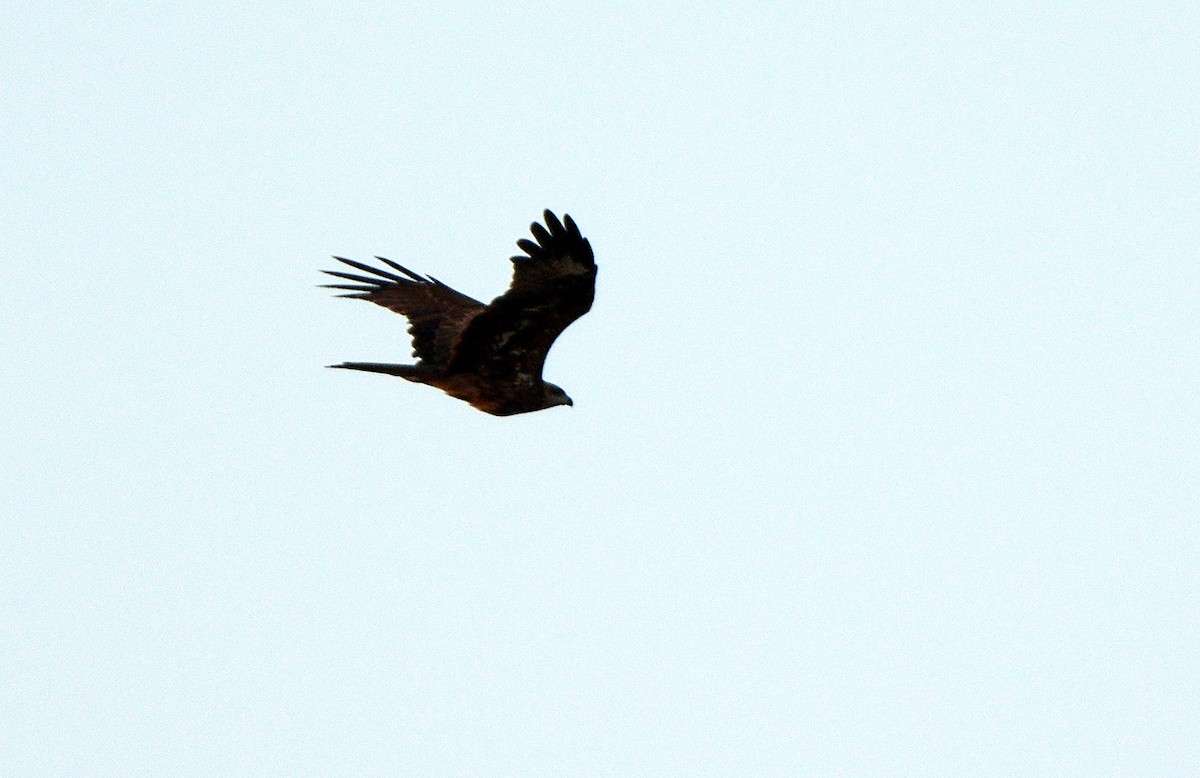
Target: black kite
point(489, 355)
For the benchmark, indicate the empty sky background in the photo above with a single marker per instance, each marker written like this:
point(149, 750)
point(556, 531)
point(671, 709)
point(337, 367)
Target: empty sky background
point(884, 452)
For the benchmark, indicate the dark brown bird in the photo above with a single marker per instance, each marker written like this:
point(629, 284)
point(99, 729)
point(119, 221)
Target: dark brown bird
point(488, 355)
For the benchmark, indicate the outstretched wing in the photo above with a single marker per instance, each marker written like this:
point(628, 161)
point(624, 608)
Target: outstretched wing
point(436, 313)
point(552, 286)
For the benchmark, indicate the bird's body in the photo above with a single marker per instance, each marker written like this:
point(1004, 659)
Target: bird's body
point(491, 355)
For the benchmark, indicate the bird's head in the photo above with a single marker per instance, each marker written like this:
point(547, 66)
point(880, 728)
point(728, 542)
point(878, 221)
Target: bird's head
point(556, 396)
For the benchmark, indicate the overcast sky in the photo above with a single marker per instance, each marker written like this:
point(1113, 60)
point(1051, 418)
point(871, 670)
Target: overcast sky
point(884, 452)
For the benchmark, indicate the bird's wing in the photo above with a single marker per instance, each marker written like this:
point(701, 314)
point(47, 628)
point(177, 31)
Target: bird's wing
point(553, 285)
point(436, 313)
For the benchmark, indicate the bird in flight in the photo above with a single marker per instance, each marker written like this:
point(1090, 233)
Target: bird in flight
point(491, 355)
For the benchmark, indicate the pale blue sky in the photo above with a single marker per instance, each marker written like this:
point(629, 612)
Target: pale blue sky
point(884, 452)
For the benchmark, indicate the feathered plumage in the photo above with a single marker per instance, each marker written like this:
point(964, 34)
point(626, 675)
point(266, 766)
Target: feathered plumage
point(488, 355)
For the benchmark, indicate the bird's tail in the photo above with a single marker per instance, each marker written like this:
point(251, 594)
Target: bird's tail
point(411, 372)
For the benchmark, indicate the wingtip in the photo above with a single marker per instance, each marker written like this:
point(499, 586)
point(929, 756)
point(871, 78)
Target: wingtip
point(528, 246)
point(552, 222)
point(397, 266)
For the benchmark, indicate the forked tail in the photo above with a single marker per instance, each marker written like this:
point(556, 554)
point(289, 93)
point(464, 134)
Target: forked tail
point(411, 372)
